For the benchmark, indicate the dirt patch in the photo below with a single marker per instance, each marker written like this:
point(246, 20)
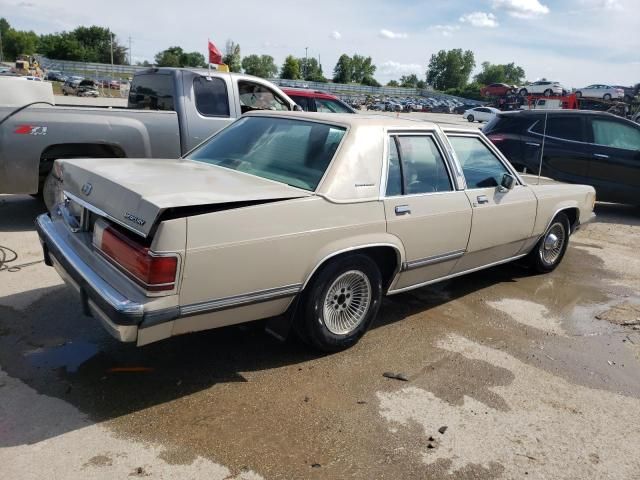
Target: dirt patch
point(625, 314)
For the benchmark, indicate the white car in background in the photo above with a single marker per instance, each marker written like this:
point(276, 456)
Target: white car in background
point(606, 92)
point(542, 87)
point(480, 114)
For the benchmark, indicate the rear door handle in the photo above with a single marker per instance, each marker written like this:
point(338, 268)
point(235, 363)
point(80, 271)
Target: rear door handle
point(403, 210)
point(601, 155)
point(533, 144)
point(482, 199)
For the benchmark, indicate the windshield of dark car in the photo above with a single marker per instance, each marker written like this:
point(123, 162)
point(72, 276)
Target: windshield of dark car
point(295, 152)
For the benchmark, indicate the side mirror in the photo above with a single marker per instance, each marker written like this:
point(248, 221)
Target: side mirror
point(297, 108)
point(507, 183)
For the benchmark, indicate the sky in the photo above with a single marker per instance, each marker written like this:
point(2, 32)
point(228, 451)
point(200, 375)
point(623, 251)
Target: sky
point(576, 42)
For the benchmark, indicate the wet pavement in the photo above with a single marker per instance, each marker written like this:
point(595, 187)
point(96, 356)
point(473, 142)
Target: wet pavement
point(533, 376)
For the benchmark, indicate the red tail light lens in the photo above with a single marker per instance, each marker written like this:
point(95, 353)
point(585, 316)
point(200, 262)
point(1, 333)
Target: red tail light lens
point(496, 138)
point(154, 273)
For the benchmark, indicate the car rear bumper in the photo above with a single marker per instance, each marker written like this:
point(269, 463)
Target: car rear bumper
point(119, 315)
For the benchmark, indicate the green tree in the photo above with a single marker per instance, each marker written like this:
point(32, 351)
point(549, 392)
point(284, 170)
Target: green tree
point(509, 73)
point(311, 70)
point(450, 68)
point(88, 44)
point(409, 81)
point(342, 72)
point(421, 84)
point(290, 68)
point(361, 68)
point(176, 57)
point(370, 81)
point(232, 56)
point(393, 83)
point(470, 90)
point(260, 65)
point(16, 42)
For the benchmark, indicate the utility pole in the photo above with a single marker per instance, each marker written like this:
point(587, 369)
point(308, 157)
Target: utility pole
point(130, 57)
point(1, 54)
point(306, 62)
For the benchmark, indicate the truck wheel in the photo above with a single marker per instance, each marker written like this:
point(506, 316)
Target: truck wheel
point(340, 303)
point(550, 249)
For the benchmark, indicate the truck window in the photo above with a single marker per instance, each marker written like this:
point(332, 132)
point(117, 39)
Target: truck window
point(152, 92)
point(211, 96)
point(254, 96)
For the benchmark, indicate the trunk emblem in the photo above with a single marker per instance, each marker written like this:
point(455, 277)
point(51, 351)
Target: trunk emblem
point(86, 188)
point(134, 219)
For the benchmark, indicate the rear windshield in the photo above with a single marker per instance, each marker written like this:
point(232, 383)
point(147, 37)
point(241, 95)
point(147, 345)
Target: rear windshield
point(152, 92)
point(295, 152)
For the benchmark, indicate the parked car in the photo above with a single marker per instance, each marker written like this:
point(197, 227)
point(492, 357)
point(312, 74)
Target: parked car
point(311, 219)
point(444, 108)
point(580, 146)
point(480, 114)
point(317, 101)
point(606, 92)
point(542, 87)
point(460, 109)
point(169, 112)
point(87, 88)
point(629, 92)
point(497, 90)
point(70, 86)
point(55, 76)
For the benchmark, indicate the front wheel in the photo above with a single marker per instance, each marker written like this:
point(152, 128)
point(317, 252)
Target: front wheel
point(550, 249)
point(578, 94)
point(340, 303)
point(548, 92)
point(471, 118)
point(523, 92)
point(607, 96)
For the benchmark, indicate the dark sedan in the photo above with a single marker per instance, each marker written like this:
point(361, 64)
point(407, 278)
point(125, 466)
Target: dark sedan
point(593, 148)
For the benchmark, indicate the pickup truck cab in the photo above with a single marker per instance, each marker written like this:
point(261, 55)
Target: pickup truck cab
point(169, 112)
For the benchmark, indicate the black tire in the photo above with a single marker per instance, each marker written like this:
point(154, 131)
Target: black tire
point(548, 92)
point(578, 94)
point(311, 324)
point(471, 118)
point(523, 92)
point(606, 96)
point(538, 257)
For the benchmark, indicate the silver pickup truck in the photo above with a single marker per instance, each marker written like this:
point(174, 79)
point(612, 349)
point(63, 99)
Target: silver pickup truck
point(169, 112)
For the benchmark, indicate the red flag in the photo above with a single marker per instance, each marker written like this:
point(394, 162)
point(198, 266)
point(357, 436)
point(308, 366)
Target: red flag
point(215, 56)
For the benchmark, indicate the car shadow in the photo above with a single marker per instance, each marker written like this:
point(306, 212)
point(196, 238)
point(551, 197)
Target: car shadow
point(58, 352)
point(617, 213)
point(18, 212)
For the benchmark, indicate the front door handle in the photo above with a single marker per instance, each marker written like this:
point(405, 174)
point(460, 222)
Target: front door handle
point(533, 144)
point(482, 199)
point(601, 155)
point(403, 210)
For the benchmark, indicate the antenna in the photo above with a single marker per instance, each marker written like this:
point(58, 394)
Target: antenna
point(544, 136)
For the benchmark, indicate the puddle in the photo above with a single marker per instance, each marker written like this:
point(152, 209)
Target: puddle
point(69, 355)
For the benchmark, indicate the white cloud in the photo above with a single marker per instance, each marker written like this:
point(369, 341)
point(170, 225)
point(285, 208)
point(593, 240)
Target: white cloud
point(395, 68)
point(480, 19)
point(446, 30)
point(393, 35)
point(336, 35)
point(521, 8)
point(602, 4)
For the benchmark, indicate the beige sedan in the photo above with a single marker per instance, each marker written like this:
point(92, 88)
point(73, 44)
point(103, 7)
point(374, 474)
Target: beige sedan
point(309, 215)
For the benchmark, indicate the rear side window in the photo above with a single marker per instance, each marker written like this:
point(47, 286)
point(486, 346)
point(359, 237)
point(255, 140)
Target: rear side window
point(211, 96)
point(504, 124)
point(152, 92)
point(330, 106)
point(566, 127)
point(303, 102)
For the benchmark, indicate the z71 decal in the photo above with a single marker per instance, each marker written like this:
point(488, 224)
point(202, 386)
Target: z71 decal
point(31, 130)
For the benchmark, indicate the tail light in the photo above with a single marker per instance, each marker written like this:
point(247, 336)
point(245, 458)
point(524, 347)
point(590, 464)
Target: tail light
point(155, 273)
point(495, 138)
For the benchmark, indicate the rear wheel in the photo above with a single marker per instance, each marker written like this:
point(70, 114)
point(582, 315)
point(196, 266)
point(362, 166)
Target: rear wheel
point(578, 94)
point(523, 92)
point(548, 92)
point(550, 249)
point(340, 303)
point(471, 118)
point(607, 96)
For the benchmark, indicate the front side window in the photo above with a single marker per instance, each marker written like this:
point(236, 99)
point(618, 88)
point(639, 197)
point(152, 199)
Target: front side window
point(211, 96)
point(566, 127)
point(152, 92)
point(295, 152)
point(615, 134)
point(416, 166)
point(330, 106)
point(254, 96)
point(481, 168)
point(303, 102)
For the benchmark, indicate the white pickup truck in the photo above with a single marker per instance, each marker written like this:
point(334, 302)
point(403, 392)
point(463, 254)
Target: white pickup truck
point(170, 111)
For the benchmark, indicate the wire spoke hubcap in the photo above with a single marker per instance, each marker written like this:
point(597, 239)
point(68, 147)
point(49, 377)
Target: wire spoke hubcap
point(553, 243)
point(347, 302)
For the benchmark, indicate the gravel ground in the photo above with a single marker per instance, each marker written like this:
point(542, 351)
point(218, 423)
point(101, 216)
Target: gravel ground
point(509, 376)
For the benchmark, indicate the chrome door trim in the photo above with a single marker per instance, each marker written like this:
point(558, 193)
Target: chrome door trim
point(423, 262)
point(453, 275)
point(243, 299)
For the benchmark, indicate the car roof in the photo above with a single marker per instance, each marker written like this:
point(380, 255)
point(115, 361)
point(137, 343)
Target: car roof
point(558, 111)
point(306, 92)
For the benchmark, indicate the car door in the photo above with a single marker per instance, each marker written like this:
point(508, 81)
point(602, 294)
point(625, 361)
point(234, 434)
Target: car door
point(424, 208)
point(615, 164)
point(502, 219)
point(565, 153)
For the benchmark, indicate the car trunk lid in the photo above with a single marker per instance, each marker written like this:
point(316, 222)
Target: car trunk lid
point(136, 192)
